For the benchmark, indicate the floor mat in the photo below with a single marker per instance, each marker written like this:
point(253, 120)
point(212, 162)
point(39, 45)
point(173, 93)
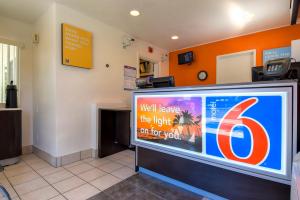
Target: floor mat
point(144, 187)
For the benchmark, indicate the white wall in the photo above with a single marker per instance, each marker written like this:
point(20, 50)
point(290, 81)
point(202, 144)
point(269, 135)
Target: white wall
point(22, 33)
point(64, 95)
point(44, 59)
point(295, 44)
point(78, 88)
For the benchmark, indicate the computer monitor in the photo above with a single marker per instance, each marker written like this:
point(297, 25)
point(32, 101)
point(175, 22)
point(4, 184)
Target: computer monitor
point(257, 73)
point(185, 58)
point(167, 81)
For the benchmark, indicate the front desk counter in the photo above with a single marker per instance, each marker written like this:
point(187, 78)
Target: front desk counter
point(234, 141)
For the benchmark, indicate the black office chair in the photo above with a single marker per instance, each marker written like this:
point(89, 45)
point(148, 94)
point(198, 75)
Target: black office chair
point(3, 192)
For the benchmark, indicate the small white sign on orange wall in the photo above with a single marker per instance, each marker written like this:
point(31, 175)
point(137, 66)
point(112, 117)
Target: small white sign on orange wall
point(295, 50)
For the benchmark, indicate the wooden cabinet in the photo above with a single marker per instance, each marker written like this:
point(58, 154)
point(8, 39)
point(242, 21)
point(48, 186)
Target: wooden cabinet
point(113, 131)
point(10, 133)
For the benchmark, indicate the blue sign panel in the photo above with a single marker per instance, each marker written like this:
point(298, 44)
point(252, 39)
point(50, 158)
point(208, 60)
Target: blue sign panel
point(277, 53)
point(246, 129)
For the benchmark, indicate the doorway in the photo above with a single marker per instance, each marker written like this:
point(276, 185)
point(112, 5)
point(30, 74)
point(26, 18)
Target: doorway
point(236, 67)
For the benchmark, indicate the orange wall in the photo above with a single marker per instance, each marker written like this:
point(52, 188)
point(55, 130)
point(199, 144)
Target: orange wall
point(205, 55)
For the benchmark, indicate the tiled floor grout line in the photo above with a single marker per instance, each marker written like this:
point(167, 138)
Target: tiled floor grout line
point(72, 188)
point(115, 170)
point(51, 185)
point(65, 168)
point(105, 172)
point(12, 185)
point(66, 179)
point(59, 193)
point(88, 163)
point(44, 180)
point(81, 179)
point(112, 160)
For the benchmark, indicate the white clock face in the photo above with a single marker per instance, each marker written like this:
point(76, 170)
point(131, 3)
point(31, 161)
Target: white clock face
point(202, 75)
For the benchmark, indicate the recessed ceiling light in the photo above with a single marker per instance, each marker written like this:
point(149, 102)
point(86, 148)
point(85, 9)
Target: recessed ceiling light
point(134, 13)
point(174, 37)
point(239, 16)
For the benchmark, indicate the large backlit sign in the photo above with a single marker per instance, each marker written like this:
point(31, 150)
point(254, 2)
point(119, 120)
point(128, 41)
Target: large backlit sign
point(245, 130)
point(174, 122)
point(248, 130)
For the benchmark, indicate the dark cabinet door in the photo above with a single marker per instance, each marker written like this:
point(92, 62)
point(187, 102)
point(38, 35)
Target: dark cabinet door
point(114, 131)
point(10, 134)
point(123, 127)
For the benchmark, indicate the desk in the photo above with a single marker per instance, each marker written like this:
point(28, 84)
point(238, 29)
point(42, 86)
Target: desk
point(235, 140)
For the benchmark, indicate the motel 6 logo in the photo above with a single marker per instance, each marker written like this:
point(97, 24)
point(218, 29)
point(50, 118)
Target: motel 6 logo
point(246, 129)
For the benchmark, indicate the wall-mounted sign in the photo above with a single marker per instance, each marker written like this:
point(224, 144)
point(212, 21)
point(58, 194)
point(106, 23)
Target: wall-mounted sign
point(129, 78)
point(240, 129)
point(277, 53)
point(76, 47)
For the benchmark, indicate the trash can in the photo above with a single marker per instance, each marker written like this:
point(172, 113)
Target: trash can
point(11, 96)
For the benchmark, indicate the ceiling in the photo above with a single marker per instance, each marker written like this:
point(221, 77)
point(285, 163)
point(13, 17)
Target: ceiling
point(194, 21)
point(23, 10)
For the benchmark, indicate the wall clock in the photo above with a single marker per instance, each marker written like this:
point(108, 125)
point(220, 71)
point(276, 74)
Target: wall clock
point(202, 75)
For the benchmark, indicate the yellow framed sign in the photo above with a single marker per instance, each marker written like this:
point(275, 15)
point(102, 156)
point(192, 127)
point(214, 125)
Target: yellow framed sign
point(76, 47)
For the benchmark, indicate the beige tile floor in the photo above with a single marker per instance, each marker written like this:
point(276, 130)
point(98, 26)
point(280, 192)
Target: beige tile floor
point(34, 179)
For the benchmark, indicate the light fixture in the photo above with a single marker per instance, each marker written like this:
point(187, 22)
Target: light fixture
point(174, 37)
point(239, 16)
point(135, 13)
